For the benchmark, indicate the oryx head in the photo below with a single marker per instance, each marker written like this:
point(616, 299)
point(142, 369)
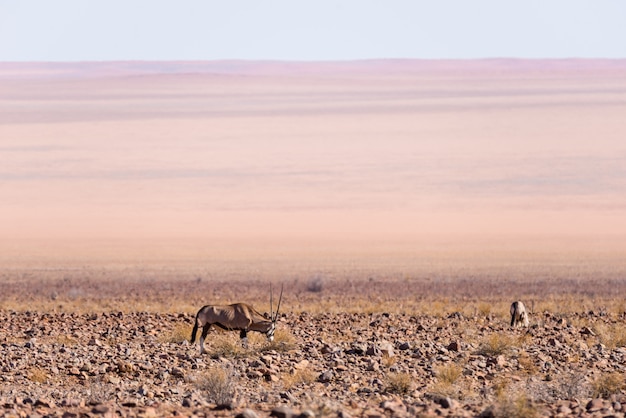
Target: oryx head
point(273, 316)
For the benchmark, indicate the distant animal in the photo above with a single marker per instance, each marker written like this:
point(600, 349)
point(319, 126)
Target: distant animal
point(236, 317)
point(519, 316)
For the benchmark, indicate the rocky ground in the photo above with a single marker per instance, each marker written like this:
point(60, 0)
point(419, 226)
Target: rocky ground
point(375, 364)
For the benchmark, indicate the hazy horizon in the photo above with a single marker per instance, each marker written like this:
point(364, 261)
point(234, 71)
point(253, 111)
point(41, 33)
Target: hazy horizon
point(385, 153)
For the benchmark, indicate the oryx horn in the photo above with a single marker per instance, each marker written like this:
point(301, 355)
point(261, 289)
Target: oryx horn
point(280, 298)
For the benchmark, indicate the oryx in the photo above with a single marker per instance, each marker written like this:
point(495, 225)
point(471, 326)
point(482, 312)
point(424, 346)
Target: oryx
point(519, 316)
point(236, 317)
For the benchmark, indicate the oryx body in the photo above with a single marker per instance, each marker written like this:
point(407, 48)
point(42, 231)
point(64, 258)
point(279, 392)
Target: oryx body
point(519, 316)
point(235, 317)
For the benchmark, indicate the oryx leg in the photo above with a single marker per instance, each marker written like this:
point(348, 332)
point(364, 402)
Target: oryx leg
point(205, 332)
point(244, 338)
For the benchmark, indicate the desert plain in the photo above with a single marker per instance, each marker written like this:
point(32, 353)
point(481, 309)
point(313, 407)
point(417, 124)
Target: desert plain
point(402, 204)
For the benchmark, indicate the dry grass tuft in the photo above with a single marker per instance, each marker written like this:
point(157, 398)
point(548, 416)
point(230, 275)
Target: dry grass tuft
point(607, 384)
point(448, 381)
point(527, 364)
point(283, 341)
point(66, 340)
point(448, 373)
point(219, 384)
point(612, 336)
point(517, 407)
point(495, 345)
point(180, 333)
point(227, 346)
point(399, 383)
point(300, 377)
point(38, 375)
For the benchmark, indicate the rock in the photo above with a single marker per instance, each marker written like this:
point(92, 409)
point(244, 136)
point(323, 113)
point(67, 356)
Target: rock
point(301, 365)
point(283, 412)
point(247, 413)
point(404, 346)
point(95, 342)
point(373, 350)
point(326, 376)
point(453, 346)
point(177, 372)
point(386, 349)
point(594, 405)
point(100, 409)
point(587, 331)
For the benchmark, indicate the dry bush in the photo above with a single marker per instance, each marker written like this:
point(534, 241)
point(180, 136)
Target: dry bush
point(607, 384)
point(219, 384)
point(38, 375)
point(569, 386)
point(399, 383)
point(299, 377)
point(388, 360)
point(527, 364)
point(448, 381)
point(225, 345)
point(315, 285)
point(495, 345)
point(283, 341)
point(611, 336)
point(513, 407)
point(448, 373)
point(99, 391)
point(180, 333)
point(65, 340)
point(483, 309)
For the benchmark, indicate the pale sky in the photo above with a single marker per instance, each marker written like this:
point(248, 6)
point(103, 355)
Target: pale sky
point(79, 30)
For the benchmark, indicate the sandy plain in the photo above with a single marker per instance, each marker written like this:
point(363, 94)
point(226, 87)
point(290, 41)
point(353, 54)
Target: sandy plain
point(387, 191)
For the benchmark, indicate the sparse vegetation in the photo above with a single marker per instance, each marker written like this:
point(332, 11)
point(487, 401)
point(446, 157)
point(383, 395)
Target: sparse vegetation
point(399, 383)
point(513, 407)
point(443, 350)
point(496, 344)
point(299, 377)
point(219, 384)
point(283, 341)
point(448, 383)
point(37, 374)
point(177, 335)
point(608, 384)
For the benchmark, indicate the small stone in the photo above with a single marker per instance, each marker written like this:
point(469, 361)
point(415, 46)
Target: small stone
point(100, 409)
point(301, 365)
point(326, 376)
point(247, 413)
point(453, 346)
point(595, 405)
point(283, 412)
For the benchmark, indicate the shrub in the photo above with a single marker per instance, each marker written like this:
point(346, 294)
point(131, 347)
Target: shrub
point(36, 374)
point(399, 383)
point(611, 336)
point(527, 364)
point(449, 373)
point(495, 344)
point(607, 384)
point(226, 345)
point(298, 377)
point(283, 341)
point(315, 285)
point(219, 383)
point(180, 333)
point(519, 407)
point(447, 379)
